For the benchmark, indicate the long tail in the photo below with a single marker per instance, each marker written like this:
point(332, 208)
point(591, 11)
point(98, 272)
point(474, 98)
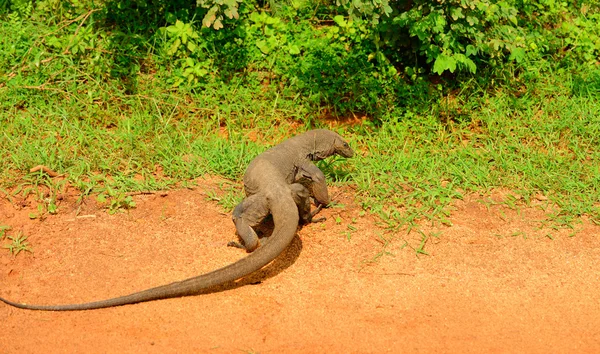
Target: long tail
point(285, 217)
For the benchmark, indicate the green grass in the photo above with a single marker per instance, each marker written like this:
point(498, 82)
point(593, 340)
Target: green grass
point(546, 143)
point(408, 169)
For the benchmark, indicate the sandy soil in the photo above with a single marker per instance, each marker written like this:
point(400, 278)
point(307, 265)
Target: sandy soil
point(492, 282)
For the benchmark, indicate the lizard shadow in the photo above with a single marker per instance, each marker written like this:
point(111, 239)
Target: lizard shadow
point(278, 265)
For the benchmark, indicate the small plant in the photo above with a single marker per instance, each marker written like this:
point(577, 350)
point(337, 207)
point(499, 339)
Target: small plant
point(47, 206)
point(229, 199)
point(269, 34)
point(183, 42)
point(39, 214)
point(338, 220)
point(116, 201)
point(216, 10)
point(3, 229)
point(52, 208)
point(421, 248)
point(19, 9)
point(385, 242)
point(19, 243)
point(351, 229)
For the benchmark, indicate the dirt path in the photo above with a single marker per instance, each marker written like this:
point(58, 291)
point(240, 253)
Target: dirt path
point(481, 289)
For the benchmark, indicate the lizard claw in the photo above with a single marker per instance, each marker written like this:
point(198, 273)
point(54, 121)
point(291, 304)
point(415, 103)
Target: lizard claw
point(235, 244)
point(316, 211)
point(239, 245)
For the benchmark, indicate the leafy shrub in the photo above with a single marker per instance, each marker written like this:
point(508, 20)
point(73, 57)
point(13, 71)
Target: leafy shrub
point(364, 56)
point(464, 35)
point(182, 42)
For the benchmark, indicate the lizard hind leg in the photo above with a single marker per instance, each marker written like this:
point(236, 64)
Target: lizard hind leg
point(246, 215)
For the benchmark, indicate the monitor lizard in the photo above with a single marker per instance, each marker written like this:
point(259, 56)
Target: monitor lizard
point(279, 182)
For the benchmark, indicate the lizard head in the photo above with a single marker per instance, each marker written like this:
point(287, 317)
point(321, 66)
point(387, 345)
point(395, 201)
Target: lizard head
point(327, 143)
point(342, 148)
point(314, 180)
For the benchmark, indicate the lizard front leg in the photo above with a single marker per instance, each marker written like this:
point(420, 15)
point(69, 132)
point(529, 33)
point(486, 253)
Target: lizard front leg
point(301, 197)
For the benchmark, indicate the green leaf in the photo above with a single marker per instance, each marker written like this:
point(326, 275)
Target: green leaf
point(440, 22)
point(443, 63)
point(471, 50)
point(339, 19)
point(263, 46)
point(255, 17)
point(387, 9)
point(218, 24)
point(55, 42)
point(294, 49)
point(497, 44)
point(172, 29)
point(173, 48)
point(210, 16)
point(517, 54)
point(52, 208)
point(470, 64)
point(456, 13)
point(472, 20)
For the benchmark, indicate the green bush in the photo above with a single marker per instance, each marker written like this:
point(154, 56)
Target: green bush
point(362, 57)
point(467, 35)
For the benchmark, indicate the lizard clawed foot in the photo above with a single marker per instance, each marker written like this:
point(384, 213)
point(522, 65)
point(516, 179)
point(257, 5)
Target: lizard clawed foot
point(309, 219)
point(235, 244)
point(316, 211)
point(242, 246)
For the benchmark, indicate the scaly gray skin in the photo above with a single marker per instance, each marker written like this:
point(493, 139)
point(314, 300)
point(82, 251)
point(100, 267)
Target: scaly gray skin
point(270, 183)
point(293, 159)
point(289, 162)
point(309, 181)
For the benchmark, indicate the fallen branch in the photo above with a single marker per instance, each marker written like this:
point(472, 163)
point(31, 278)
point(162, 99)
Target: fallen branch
point(44, 169)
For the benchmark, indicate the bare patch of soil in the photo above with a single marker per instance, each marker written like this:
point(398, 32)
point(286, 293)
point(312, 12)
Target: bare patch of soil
point(492, 282)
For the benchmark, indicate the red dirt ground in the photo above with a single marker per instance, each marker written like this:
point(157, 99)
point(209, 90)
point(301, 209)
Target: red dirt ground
point(492, 282)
